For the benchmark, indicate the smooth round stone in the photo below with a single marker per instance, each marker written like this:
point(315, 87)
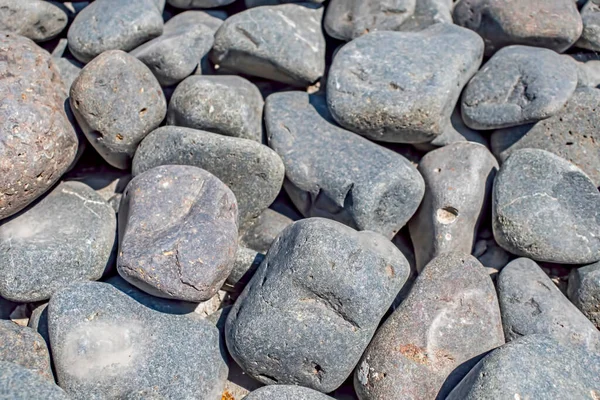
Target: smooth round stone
point(530, 303)
point(229, 105)
point(571, 134)
point(19, 383)
point(313, 305)
point(458, 181)
point(286, 392)
point(402, 87)
point(178, 233)
point(284, 43)
point(113, 25)
point(35, 19)
point(590, 37)
point(546, 209)
point(252, 171)
point(257, 3)
point(349, 19)
point(39, 142)
point(261, 233)
point(175, 55)
point(105, 344)
point(24, 346)
point(531, 23)
point(584, 291)
point(66, 237)
point(517, 86)
point(533, 367)
point(117, 102)
point(187, 4)
point(448, 321)
point(333, 173)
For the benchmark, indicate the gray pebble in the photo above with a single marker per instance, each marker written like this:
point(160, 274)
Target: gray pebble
point(260, 234)
point(590, 37)
point(66, 237)
point(113, 25)
point(175, 55)
point(227, 105)
point(427, 13)
point(533, 367)
point(39, 142)
point(336, 174)
point(251, 170)
point(286, 392)
point(68, 69)
point(258, 3)
point(517, 86)
point(546, 209)
point(584, 291)
point(178, 233)
point(588, 73)
point(246, 263)
point(406, 95)
point(38, 20)
point(530, 303)
point(571, 134)
point(458, 182)
point(284, 43)
point(38, 321)
point(117, 101)
point(19, 383)
point(107, 345)
point(313, 305)
point(530, 23)
point(24, 346)
point(450, 319)
point(187, 4)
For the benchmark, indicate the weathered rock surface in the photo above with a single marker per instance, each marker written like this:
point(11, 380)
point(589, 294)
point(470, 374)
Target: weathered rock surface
point(20, 383)
point(35, 19)
point(264, 230)
point(23, 346)
point(584, 291)
point(286, 392)
point(590, 37)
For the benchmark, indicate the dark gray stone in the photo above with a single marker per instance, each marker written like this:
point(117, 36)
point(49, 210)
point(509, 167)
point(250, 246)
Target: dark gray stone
point(584, 291)
point(39, 143)
point(450, 318)
point(286, 392)
point(533, 367)
point(38, 20)
point(24, 346)
point(590, 37)
point(38, 321)
point(284, 43)
point(178, 233)
point(546, 209)
point(336, 174)
point(571, 134)
point(406, 95)
point(314, 303)
point(530, 23)
point(187, 4)
point(175, 55)
point(107, 345)
point(349, 19)
point(246, 263)
point(517, 86)
point(260, 234)
point(530, 303)
point(6, 308)
point(227, 105)
point(257, 3)
point(117, 102)
point(19, 383)
point(458, 183)
point(252, 171)
point(113, 25)
point(66, 237)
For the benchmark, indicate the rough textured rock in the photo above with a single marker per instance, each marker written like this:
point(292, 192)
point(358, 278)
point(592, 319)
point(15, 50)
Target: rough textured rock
point(264, 230)
point(39, 143)
point(19, 383)
point(349, 19)
point(517, 86)
point(590, 37)
point(588, 73)
point(367, 187)
point(35, 19)
point(23, 346)
point(117, 101)
point(229, 105)
point(286, 392)
point(252, 171)
point(68, 69)
point(107, 345)
point(284, 43)
point(571, 134)
point(530, 303)
point(532, 23)
point(546, 209)
point(187, 4)
point(584, 291)
point(406, 95)
point(175, 55)
point(314, 303)
point(178, 233)
point(533, 367)
point(66, 237)
point(450, 318)
point(458, 181)
point(246, 263)
point(113, 25)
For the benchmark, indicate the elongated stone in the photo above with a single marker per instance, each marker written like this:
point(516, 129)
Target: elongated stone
point(35, 19)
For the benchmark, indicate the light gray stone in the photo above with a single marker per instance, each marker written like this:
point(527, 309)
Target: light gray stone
point(590, 37)
point(38, 20)
point(286, 392)
point(584, 291)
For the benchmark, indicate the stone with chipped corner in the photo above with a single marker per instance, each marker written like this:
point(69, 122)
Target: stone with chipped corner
point(20, 383)
point(584, 291)
point(38, 20)
point(24, 346)
point(286, 392)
